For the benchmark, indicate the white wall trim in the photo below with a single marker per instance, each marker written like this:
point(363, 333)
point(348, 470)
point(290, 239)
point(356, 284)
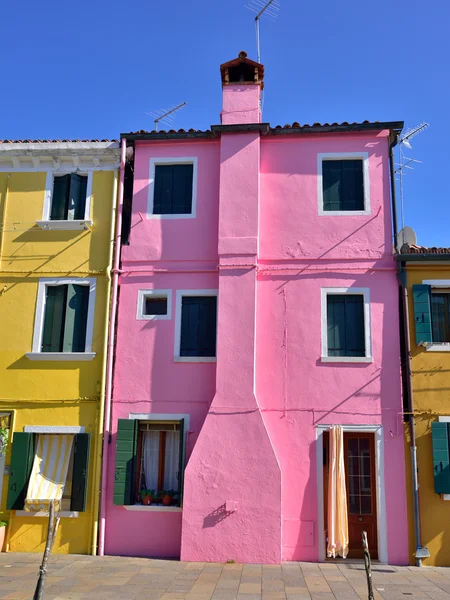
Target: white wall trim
point(364, 156)
point(162, 417)
point(437, 283)
point(49, 192)
point(179, 297)
point(143, 294)
point(151, 508)
point(40, 311)
point(175, 160)
point(380, 487)
point(365, 292)
point(54, 429)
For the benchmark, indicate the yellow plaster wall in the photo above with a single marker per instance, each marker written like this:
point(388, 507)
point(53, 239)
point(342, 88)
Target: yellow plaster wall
point(431, 389)
point(40, 392)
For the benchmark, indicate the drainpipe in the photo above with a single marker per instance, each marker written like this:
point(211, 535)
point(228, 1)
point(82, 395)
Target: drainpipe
point(393, 143)
point(110, 356)
point(101, 412)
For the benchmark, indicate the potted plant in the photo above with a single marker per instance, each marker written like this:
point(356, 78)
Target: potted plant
point(167, 497)
point(3, 441)
point(3, 525)
point(147, 496)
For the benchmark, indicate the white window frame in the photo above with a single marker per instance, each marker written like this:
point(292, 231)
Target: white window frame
point(36, 353)
point(437, 346)
point(143, 294)
point(179, 296)
point(175, 160)
point(330, 291)
point(65, 224)
point(364, 156)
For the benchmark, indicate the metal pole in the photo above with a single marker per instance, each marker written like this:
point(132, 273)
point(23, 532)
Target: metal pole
point(257, 40)
point(367, 565)
point(51, 531)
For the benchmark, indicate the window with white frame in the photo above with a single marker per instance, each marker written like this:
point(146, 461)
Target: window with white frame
point(154, 305)
point(343, 183)
point(346, 325)
point(172, 187)
point(196, 326)
point(432, 314)
point(68, 197)
point(64, 318)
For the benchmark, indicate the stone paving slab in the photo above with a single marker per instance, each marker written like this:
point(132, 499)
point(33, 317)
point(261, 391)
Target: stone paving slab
point(77, 577)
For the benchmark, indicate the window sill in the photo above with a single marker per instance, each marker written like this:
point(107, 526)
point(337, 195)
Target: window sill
point(180, 216)
point(347, 359)
point(61, 356)
point(65, 225)
point(156, 508)
point(195, 359)
point(64, 514)
point(442, 347)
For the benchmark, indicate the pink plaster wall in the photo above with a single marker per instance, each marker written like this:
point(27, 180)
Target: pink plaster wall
point(241, 104)
point(255, 443)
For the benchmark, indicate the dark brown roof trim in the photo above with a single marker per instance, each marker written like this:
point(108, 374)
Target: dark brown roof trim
point(263, 128)
point(428, 257)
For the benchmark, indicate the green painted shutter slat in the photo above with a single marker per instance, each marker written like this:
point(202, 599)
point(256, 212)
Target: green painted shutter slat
point(20, 470)
point(60, 198)
point(181, 462)
point(207, 326)
point(162, 201)
point(422, 313)
point(354, 319)
point(77, 197)
point(54, 314)
point(76, 318)
point(189, 326)
point(182, 189)
point(441, 455)
point(126, 462)
point(352, 185)
point(336, 325)
point(345, 325)
point(80, 472)
point(331, 182)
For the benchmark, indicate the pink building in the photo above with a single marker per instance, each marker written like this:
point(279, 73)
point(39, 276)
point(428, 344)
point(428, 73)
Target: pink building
point(257, 308)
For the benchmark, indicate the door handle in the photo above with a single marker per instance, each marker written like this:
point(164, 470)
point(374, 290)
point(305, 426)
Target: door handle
point(360, 518)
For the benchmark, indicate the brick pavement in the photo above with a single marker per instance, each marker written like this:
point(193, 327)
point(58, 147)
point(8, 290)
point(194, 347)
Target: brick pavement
point(77, 577)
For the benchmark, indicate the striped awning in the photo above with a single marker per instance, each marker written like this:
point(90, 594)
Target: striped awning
point(49, 472)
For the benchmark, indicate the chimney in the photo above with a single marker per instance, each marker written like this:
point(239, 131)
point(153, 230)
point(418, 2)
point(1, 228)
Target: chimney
point(242, 82)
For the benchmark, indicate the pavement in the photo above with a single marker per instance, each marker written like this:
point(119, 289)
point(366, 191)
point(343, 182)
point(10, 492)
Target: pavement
point(73, 577)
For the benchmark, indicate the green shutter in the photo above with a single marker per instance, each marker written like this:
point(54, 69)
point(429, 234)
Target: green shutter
point(20, 469)
point(343, 185)
point(126, 462)
point(60, 197)
point(182, 459)
point(189, 326)
point(55, 308)
point(331, 184)
point(207, 326)
point(163, 192)
point(77, 197)
point(182, 189)
point(76, 318)
point(80, 472)
point(422, 313)
point(441, 466)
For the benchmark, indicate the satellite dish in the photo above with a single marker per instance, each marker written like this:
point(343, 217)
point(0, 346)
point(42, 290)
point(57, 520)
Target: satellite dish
point(407, 235)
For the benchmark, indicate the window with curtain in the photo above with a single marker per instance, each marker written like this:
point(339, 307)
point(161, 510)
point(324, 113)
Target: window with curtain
point(343, 185)
point(440, 316)
point(173, 189)
point(159, 452)
point(345, 325)
point(65, 318)
point(69, 197)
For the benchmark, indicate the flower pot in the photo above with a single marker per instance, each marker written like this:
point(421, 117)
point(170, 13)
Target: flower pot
point(167, 500)
point(2, 538)
point(147, 500)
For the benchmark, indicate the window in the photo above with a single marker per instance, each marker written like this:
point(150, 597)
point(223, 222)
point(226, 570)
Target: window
point(345, 326)
point(343, 184)
point(154, 305)
point(172, 188)
point(440, 321)
point(69, 197)
point(60, 460)
point(196, 325)
point(432, 314)
point(64, 320)
point(149, 462)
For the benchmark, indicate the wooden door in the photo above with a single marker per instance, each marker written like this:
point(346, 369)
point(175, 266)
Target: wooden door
point(359, 453)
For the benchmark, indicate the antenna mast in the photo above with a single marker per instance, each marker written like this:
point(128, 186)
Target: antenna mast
point(269, 8)
point(166, 116)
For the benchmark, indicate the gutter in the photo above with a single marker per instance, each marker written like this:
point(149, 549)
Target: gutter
point(110, 353)
point(402, 258)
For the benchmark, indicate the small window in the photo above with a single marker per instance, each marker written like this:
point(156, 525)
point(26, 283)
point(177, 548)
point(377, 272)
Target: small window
point(173, 189)
point(65, 318)
point(198, 326)
point(154, 305)
point(440, 316)
point(345, 325)
point(343, 185)
point(68, 201)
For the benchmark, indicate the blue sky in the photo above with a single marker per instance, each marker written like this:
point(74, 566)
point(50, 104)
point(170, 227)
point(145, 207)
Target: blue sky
point(93, 69)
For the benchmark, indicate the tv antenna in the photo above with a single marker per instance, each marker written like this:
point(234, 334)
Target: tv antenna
point(165, 115)
point(270, 9)
point(405, 163)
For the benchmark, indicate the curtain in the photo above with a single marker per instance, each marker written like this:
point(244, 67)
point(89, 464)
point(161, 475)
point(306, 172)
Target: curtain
point(49, 472)
point(337, 497)
point(171, 461)
point(151, 458)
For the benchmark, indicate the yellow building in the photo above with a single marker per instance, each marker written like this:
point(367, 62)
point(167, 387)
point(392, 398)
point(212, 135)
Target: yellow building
point(427, 282)
point(57, 216)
